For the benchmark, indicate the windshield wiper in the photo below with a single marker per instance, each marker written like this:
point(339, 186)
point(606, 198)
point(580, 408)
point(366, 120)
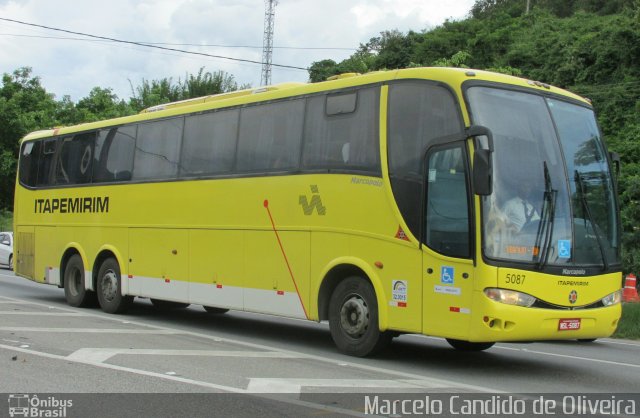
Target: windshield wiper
point(587, 211)
point(547, 216)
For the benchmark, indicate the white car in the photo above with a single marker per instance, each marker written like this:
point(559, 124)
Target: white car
point(6, 249)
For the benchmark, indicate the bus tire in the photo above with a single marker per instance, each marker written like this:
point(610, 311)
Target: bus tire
point(353, 318)
point(462, 345)
point(109, 285)
point(215, 311)
point(166, 305)
point(587, 340)
point(74, 290)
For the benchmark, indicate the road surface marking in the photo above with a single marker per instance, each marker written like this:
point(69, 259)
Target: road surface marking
point(92, 330)
point(99, 355)
point(41, 313)
point(628, 343)
point(294, 385)
point(311, 405)
point(595, 360)
point(318, 358)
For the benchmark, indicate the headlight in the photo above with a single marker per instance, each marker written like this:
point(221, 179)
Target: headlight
point(510, 297)
point(613, 298)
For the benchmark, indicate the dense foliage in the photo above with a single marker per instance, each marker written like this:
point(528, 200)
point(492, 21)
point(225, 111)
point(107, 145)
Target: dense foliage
point(591, 47)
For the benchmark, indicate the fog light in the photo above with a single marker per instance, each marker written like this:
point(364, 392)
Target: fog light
point(509, 297)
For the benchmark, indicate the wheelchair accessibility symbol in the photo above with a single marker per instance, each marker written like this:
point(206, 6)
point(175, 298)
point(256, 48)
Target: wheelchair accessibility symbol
point(446, 275)
point(564, 248)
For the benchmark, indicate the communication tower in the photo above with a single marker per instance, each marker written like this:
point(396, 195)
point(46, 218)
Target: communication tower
point(267, 41)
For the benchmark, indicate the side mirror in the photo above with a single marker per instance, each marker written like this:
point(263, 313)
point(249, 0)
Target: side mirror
point(482, 172)
point(615, 159)
point(482, 166)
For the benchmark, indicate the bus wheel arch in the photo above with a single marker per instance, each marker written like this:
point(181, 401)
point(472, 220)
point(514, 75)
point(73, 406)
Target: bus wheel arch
point(329, 283)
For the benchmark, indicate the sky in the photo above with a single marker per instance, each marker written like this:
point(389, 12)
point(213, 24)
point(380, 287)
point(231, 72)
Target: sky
point(72, 65)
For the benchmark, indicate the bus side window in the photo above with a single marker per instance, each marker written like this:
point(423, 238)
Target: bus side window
point(46, 161)
point(209, 143)
point(270, 136)
point(75, 159)
point(447, 217)
point(419, 113)
point(341, 131)
point(114, 154)
point(157, 152)
point(29, 160)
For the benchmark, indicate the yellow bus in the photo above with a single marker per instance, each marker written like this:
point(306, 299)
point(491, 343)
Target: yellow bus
point(456, 203)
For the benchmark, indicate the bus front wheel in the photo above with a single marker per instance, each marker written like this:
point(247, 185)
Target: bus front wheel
point(462, 345)
point(74, 291)
point(110, 288)
point(353, 318)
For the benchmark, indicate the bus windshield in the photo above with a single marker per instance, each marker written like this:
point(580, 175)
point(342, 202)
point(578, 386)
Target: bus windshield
point(553, 201)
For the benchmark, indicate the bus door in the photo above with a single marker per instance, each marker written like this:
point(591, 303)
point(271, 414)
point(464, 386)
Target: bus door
point(447, 263)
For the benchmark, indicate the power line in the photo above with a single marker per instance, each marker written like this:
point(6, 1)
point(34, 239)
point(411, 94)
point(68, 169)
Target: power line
point(304, 48)
point(149, 45)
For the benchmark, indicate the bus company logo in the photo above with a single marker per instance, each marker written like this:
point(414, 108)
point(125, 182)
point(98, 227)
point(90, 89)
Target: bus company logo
point(308, 206)
point(94, 204)
point(573, 297)
point(31, 406)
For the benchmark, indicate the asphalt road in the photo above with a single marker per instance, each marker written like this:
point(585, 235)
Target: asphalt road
point(258, 365)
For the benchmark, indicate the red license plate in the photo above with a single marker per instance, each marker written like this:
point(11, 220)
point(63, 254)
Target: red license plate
point(572, 324)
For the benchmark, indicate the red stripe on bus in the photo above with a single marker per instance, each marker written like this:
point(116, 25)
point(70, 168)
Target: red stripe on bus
point(286, 260)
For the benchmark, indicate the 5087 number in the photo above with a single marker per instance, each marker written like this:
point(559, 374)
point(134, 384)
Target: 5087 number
point(513, 278)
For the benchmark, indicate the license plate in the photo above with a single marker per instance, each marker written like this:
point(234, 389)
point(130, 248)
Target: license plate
point(569, 324)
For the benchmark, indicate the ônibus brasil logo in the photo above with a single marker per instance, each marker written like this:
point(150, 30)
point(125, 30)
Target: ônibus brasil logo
point(31, 406)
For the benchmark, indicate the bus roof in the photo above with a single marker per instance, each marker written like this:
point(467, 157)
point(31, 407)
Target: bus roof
point(452, 76)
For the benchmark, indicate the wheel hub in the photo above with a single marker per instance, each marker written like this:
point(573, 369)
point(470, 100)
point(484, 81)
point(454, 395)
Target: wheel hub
point(110, 285)
point(354, 316)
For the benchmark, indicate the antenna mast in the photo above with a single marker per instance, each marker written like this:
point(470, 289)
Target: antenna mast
point(267, 41)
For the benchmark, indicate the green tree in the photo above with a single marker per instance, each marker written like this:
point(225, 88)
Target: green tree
point(102, 103)
point(321, 70)
point(25, 106)
point(459, 59)
point(156, 92)
point(206, 83)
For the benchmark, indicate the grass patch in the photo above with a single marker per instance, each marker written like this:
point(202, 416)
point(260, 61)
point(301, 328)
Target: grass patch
point(629, 325)
point(6, 220)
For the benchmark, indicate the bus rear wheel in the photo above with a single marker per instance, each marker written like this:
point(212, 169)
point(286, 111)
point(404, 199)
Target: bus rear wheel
point(74, 290)
point(110, 288)
point(353, 318)
point(462, 345)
